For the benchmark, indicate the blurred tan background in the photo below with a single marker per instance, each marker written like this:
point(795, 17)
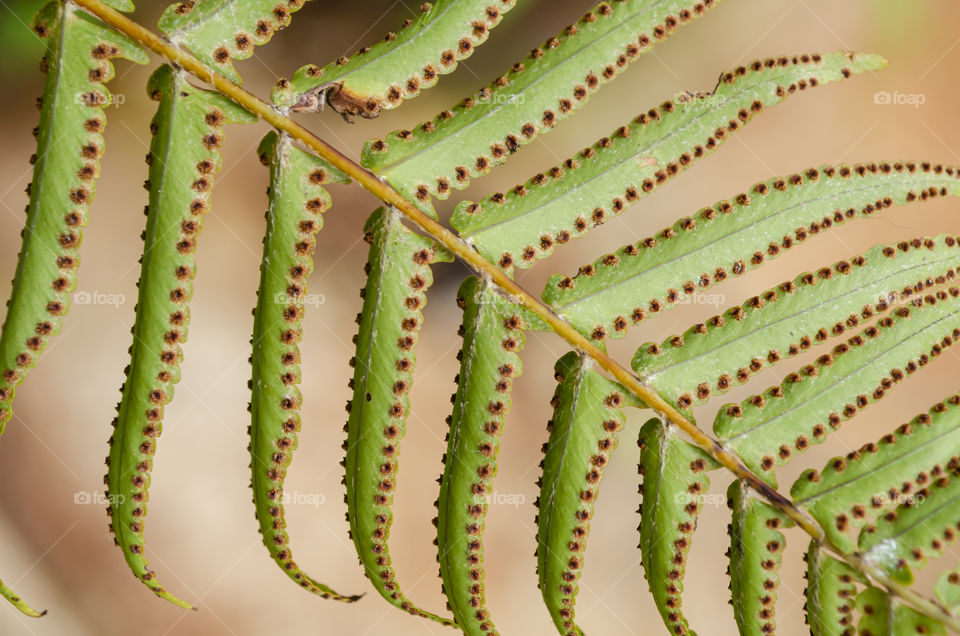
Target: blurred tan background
point(201, 534)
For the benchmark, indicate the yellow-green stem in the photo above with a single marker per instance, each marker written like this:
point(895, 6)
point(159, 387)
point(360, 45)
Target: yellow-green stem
point(471, 257)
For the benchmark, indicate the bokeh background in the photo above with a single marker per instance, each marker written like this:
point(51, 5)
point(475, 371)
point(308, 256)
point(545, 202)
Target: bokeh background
point(201, 534)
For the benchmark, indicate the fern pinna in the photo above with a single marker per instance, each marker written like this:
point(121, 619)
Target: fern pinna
point(874, 516)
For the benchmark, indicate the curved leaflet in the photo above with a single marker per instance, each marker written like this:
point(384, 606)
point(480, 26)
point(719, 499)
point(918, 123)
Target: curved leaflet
point(399, 66)
point(65, 168)
point(756, 548)
point(187, 132)
point(948, 589)
point(221, 31)
point(674, 480)
point(711, 357)
point(297, 200)
point(734, 236)
point(398, 276)
point(18, 602)
point(69, 146)
point(919, 529)
point(830, 595)
point(852, 490)
point(768, 429)
point(531, 98)
point(489, 362)
point(583, 434)
point(883, 615)
point(522, 226)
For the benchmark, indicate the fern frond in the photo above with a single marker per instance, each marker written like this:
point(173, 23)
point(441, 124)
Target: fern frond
point(583, 434)
point(187, 133)
point(883, 615)
point(297, 200)
point(852, 490)
point(830, 594)
point(919, 529)
point(768, 429)
point(734, 236)
point(66, 165)
point(65, 168)
point(674, 483)
point(710, 358)
point(756, 548)
point(398, 67)
point(482, 131)
point(221, 31)
point(492, 337)
point(398, 276)
point(15, 600)
point(522, 226)
point(948, 589)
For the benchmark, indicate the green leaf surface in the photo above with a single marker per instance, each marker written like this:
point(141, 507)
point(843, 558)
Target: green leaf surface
point(831, 594)
point(15, 600)
point(684, 263)
point(187, 133)
point(483, 130)
point(583, 435)
point(297, 200)
point(948, 590)
point(78, 49)
point(674, 488)
point(883, 615)
point(66, 165)
point(756, 554)
point(852, 490)
point(401, 65)
point(489, 362)
point(768, 429)
point(398, 276)
point(919, 529)
point(522, 226)
point(221, 31)
point(709, 358)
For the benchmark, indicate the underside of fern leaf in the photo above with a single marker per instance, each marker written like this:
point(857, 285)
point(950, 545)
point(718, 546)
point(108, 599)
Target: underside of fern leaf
point(831, 593)
point(756, 547)
point(711, 357)
point(187, 133)
point(489, 363)
point(731, 237)
point(875, 516)
point(583, 434)
point(220, 31)
point(398, 67)
point(483, 130)
point(297, 200)
point(398, 275)
point(524, 225)
point(769, 428)
point(66, 165)
point(674, 480)
point(851, 491)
